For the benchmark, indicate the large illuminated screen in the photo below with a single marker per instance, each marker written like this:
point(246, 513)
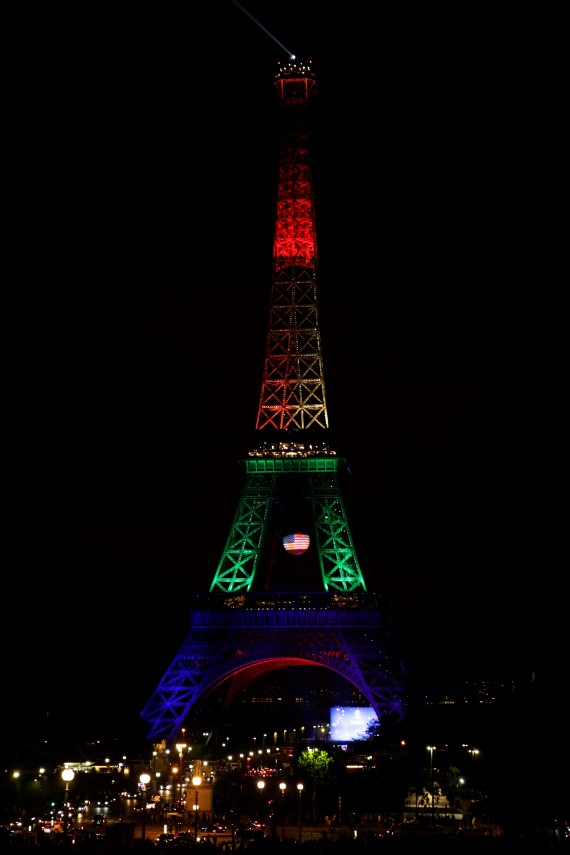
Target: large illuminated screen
point(350, 723)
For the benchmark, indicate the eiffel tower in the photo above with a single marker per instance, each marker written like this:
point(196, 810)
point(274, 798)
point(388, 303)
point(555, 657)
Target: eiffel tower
point(288, 590)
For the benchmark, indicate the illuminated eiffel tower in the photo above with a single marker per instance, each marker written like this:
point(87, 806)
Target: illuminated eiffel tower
point(288, 590)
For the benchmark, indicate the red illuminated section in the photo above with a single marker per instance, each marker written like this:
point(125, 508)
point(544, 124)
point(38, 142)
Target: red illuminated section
point(293, 390)
point(295, 239)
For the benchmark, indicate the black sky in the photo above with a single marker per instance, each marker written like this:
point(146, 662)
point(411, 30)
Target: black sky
point(142, 178)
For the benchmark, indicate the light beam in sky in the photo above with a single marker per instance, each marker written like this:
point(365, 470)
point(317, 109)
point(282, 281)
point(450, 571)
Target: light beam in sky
point(265, 30)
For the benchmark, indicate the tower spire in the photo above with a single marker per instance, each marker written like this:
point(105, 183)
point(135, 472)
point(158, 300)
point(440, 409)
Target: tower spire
point(293, 387)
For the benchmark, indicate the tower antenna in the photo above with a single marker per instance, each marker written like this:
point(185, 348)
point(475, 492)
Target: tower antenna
point(265, 30)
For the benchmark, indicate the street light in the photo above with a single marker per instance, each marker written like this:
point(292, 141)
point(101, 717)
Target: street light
point(282, 787)
point(196, 781)
point(180, 746)
point(300, 788)
point(144, 779)
point(261, 787)
point(431, 749)
point(67, 775)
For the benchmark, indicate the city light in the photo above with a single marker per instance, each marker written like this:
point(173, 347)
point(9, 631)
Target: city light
point(144, 779)
point(196, 782)
point(67, 775)
point(282, 787)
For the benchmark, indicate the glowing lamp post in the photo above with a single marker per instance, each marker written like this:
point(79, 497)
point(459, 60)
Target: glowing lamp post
point(67, 776)
point(300, 788)
point(180, 746)
point(261, 787)
point(431, 749)
point(144, 779)
point(196, 781)
point(282, 787)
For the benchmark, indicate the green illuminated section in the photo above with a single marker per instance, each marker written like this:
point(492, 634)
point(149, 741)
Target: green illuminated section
point(240, 558)
point(292, 464)
point(339, 565)
point(268, 481)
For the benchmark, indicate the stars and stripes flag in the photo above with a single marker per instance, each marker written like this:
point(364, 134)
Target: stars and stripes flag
point(296, 543)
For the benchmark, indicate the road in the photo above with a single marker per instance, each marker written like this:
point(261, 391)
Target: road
point(312, 832)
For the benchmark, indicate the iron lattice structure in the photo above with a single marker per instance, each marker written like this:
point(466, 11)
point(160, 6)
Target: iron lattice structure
point(268, 608)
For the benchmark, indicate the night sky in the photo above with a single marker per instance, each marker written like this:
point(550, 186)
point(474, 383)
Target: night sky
point(142, 174)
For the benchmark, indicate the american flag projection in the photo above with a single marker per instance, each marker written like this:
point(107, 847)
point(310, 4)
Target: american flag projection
point(297, 543)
